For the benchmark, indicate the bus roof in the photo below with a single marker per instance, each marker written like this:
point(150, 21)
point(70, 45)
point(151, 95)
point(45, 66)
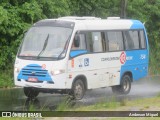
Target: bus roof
point(94, 23)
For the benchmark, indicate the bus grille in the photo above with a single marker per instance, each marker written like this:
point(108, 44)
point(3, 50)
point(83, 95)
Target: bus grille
point(32, 70)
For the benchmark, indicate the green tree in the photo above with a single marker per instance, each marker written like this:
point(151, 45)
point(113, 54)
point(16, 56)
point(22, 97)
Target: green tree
point(148, 12)
point(98, 8)
point(54, 8)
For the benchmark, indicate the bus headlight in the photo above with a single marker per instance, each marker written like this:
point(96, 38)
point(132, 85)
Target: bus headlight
point(16, 69)
point(56, 72)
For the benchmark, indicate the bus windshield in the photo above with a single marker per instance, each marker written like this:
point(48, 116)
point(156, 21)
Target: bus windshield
point(45, 42)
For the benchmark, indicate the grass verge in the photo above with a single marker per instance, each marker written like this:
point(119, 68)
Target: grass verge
point(145, 104)
point(6, 78)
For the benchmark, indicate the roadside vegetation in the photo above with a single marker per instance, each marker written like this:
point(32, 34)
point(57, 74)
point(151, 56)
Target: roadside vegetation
point(6, 78)
point(144, 104)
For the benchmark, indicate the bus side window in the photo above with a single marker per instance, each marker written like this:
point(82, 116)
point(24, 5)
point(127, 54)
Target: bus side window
point(89, 41)
point(80, 47)
point(142, 38)
point(106, 42)
point(114, 40)
point(82, 43)
point(94, 41)
point(97, 42)
point(131, 40)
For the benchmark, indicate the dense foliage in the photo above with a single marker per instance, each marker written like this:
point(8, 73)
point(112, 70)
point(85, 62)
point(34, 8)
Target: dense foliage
point(16, 16)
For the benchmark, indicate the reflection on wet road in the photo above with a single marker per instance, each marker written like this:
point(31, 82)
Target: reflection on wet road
point(15, 100)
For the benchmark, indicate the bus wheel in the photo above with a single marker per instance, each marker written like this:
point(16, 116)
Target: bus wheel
point(30, 92)
point(78, 90)
point(124, 87)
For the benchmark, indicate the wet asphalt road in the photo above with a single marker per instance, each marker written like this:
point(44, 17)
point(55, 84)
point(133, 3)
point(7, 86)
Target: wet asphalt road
point(15, 100)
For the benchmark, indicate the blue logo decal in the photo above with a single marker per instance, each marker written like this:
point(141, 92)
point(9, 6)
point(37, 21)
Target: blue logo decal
point(86, 62)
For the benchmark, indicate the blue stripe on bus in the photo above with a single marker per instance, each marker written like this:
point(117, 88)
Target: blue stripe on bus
point(74, 53)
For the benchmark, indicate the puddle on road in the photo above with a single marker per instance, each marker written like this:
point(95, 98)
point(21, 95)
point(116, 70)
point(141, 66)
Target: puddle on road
point(9, 98)
point(15, 100)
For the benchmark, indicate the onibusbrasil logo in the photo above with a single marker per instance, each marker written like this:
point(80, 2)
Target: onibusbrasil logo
point(123, 57)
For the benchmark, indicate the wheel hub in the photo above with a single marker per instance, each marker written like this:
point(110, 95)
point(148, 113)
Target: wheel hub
point(78, 90)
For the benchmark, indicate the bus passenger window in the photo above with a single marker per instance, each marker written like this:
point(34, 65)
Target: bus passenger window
point(82, 42)
point(97, 42)
point(94, 41)
point(131, 40)
point(115, 40)
point(89, 41)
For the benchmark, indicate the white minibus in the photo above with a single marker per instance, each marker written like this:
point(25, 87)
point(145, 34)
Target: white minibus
point(70, 55)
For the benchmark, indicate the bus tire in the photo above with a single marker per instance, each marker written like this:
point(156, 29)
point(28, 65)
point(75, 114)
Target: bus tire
point(30, 92)
point(78, 89)
point(124, 87)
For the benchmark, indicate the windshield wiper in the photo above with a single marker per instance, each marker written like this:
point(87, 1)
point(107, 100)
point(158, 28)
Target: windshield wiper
point(44, 47)
point(66, 45)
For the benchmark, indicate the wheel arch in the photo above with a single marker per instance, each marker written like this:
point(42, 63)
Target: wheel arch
point(84, 80)
point(128, 73)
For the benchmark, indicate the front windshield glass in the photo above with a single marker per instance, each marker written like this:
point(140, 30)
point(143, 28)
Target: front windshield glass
point(45, 42)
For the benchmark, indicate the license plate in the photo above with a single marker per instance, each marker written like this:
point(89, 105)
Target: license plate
point(30, 79)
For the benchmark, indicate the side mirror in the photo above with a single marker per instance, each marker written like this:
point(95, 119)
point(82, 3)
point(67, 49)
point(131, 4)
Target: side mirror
point(76, 40)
